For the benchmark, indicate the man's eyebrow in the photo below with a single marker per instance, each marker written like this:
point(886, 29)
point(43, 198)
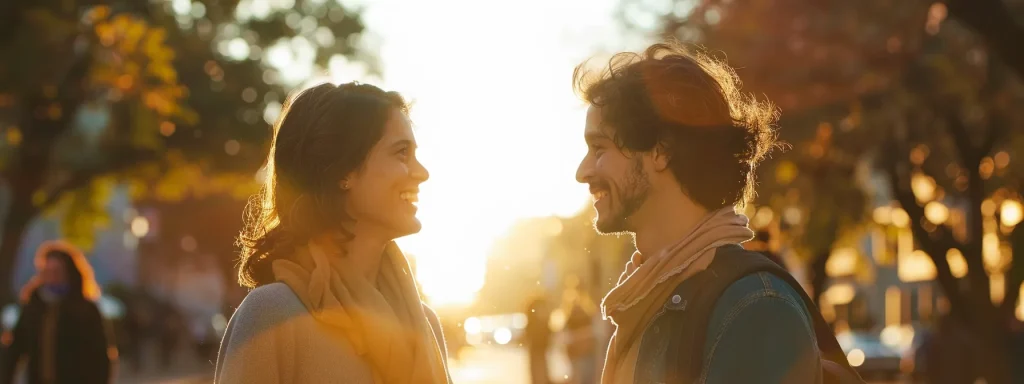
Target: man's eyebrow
point(402, 142)
point(595, 136)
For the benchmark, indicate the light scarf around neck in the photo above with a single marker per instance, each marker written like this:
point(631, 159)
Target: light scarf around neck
point(646, 282)
point(384, 319)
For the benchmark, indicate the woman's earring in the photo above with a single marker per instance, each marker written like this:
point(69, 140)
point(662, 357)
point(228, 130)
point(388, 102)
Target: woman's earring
point(345, 185)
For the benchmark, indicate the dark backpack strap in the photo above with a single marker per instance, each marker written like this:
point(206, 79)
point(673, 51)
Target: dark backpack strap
point(686, 332)
point(731, 264)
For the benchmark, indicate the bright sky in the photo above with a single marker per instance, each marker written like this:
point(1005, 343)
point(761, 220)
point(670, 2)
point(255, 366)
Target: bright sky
point(497, 122)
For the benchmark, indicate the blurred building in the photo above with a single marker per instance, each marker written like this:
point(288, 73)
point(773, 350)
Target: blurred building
point(578, 251)
point(517, 269)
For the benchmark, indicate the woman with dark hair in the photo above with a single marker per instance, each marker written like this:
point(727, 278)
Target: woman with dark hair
point(333, 298)
point(60, 330)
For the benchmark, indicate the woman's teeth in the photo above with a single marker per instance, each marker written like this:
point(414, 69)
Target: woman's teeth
point(600, 195)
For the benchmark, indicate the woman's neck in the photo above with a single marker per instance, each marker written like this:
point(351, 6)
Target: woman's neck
point(364, 251)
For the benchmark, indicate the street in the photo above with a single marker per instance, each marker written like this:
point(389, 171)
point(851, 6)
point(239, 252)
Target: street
point(501, 365)
point(477, 365)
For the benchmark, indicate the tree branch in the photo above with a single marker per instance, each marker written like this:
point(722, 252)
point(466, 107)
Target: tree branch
point(995, 23)
point(123, 160)
point(1015, 276)
point(10, 18)
point(997, 128)
point(969, 155)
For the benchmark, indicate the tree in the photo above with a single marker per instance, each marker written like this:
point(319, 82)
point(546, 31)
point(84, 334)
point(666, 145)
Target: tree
point(994, 21)
point(945, 132)
point(159, 95)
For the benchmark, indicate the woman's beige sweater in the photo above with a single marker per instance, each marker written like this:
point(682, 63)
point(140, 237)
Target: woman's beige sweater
point(272, 338)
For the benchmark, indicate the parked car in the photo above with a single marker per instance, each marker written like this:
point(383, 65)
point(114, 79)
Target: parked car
point(872, 358)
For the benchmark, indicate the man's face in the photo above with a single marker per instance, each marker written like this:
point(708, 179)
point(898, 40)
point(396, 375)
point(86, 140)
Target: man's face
point(617, 179)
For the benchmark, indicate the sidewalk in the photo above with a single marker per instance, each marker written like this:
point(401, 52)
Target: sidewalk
point(185, 367)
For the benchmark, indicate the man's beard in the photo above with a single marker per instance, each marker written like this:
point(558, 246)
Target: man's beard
point(632, 195)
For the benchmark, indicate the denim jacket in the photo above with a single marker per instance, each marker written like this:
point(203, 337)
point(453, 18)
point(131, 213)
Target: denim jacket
point(759, 332)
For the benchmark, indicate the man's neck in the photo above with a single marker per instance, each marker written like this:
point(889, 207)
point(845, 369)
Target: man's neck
point(665, 220)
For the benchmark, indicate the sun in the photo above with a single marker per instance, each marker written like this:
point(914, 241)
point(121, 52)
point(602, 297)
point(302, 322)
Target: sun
point(496, 121)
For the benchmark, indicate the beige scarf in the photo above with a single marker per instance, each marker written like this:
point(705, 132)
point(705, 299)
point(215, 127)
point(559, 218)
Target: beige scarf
point(384, 320)
point(646, 283)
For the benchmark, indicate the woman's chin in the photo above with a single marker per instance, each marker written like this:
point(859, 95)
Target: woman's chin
point(408, 227)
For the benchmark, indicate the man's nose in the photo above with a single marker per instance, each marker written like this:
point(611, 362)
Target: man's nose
point(585, 171)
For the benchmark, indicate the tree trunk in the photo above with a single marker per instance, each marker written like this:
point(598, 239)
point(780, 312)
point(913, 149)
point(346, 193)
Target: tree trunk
point(992, 352)
point(19, 214)
point(819, 275)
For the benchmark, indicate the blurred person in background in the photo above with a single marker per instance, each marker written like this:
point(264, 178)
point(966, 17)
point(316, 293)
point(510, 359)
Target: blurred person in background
point(538, 339)
point(170, 328)
point(60, 331)
point(581, 343)
point(334, 299)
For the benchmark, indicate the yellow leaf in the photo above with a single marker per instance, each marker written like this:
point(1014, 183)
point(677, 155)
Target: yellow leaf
point(121, 21)
point(187, 115)
point(132, 35)
point(105, 32)
point(137, 190)
point(38, 197)
point(144, 133)
point(163, 71)
point(132, 68)
point(14, 136)
point(99, 12)
point(154, 41)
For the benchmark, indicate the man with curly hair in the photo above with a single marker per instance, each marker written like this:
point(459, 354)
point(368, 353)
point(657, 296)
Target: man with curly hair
point(672, 150)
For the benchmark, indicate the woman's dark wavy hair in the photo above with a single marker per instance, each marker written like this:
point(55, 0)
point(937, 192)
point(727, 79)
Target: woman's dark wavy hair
point(691, 104)
point(324, 133)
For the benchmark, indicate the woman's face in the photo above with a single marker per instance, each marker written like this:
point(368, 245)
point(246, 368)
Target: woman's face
point(382, 195)
point(54, 272)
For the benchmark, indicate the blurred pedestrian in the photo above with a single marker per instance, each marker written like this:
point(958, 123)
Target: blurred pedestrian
point(538, 339)
point(60, 331)
point(581, 343)
point(171, 330)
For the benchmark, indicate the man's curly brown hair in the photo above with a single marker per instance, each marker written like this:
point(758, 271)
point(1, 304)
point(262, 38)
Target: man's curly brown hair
point(691, 104)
